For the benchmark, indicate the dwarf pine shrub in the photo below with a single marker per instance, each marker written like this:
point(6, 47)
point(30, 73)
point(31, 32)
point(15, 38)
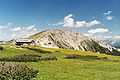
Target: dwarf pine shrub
point(46, 58)
point(1, 48)
point(84, 57)
point(22, 58)
point(16, 72)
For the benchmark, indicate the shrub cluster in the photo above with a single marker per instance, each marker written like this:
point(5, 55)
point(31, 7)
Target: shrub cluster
point(38, 50)
point(84, 57)
point(22, 58)
point(16, 72)
point(46, 58)
point(57, 51)
point(28, 58)
point(1, 48)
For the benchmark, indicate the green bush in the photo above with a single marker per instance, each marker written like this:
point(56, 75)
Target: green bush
point(57, 51)
point(84, 57)
point(46, 58)
point(1, 48)
point(28, 58)
point(16, 72)
point(22, 58)
point(38, 50)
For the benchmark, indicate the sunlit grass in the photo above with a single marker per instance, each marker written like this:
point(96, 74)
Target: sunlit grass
point(68, 69)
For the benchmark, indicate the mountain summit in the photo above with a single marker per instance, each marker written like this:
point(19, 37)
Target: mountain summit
point(69, 39)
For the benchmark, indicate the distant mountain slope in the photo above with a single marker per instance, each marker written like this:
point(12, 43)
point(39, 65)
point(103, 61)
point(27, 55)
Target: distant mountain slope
point(11, 41)
point(113, 42)
point(69, 39)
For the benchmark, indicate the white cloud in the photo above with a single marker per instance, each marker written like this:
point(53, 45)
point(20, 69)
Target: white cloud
point(70, 22)
point(92, 23)
point(107, 13)
point(17, 29)
point(34, 28)
point(21, 32)
point(109, 17)
point(101, 37)
point(86, 24)
point(27, 28)
point(8, 31)
point(80, 23)
point(98, 30)
point(5, 25)
point(1, 27)
point(57, 24)
point(98, 36)
point(9, 24)
point(31, 27)
point(116, 37)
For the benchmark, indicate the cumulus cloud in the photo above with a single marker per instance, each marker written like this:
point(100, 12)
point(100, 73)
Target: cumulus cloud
point(116, 37)
point(17, 29)
point(9, 24)
point(1, 27)
point(98, 30)
point(107, 13)
point(86, 24)
point(101, 37)
point(21, 32)
point(98, 34)
point(70, 22)
point(5, 25)
point(27, 28)
point(109, 17)
point(56, 24)
point(4, 29)
point(31, 27)
point(9, 31)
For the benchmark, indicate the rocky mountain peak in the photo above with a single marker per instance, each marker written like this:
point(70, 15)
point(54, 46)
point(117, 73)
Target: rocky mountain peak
point(70, 39)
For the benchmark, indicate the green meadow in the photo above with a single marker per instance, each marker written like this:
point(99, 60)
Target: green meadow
point(67, 68)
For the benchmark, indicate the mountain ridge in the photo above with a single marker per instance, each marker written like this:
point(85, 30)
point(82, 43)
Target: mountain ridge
point(70, 39)
point(113, 42)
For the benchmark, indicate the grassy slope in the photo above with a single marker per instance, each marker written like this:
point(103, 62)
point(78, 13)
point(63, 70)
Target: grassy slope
point(70, 69)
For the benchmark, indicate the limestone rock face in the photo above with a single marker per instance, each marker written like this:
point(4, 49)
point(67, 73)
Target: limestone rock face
point(69, 39)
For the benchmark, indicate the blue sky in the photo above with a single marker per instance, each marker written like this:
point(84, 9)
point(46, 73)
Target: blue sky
point(21, 18)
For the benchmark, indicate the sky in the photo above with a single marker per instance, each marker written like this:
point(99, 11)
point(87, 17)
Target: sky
point(98, 19)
